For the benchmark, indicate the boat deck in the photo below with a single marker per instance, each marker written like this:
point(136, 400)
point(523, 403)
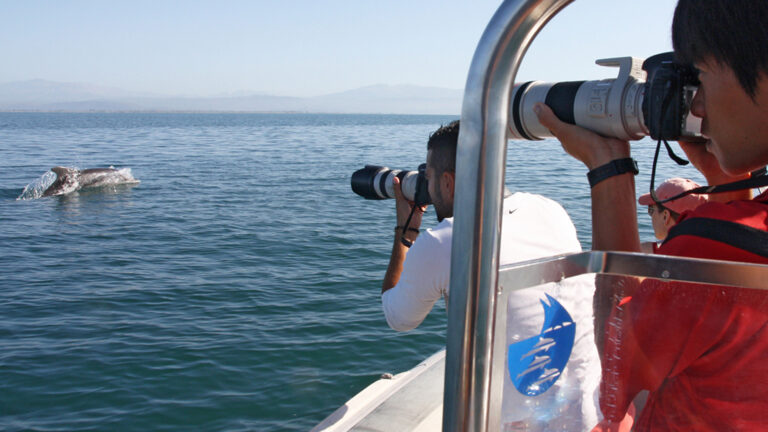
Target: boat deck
point(408, 401)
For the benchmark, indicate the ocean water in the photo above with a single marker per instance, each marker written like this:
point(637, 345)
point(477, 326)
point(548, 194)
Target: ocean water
point(237, 286)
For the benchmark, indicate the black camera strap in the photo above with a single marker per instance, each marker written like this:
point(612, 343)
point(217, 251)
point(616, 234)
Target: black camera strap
point(674, 157)
point(407, 243)
point(758, 179)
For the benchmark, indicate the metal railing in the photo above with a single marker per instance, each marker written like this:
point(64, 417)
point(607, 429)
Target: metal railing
point(667, 268)
point(480, 165)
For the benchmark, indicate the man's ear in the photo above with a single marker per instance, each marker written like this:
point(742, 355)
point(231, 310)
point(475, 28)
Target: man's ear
point(668, 219)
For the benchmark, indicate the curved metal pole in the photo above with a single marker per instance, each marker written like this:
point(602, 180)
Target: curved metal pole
point(480, 165)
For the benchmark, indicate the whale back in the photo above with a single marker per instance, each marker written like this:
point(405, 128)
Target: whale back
point(66, 181)
point(63, 171)
point(70, 179)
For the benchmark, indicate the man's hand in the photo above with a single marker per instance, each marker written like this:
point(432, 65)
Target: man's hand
point(590, 148)
point(404, 207)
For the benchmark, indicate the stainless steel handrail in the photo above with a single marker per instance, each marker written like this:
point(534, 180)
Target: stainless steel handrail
point(480, 165)
point(667, 268)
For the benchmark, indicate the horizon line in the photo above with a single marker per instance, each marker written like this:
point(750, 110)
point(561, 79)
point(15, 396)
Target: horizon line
point(40, 111)
point(224, 94)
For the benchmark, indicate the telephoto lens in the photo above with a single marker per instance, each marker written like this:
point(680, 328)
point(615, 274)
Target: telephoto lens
point(610, 107)
point(647, 98)
point(375, 183)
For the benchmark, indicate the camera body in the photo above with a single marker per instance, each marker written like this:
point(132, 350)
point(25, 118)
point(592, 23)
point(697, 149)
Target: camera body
point(647, 98)
point(375, 182)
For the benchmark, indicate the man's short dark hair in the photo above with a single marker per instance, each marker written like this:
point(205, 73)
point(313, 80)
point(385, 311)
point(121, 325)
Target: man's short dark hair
point(443, 143)
point(732, 32)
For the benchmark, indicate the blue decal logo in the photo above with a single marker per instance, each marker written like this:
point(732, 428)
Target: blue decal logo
point(537, 362)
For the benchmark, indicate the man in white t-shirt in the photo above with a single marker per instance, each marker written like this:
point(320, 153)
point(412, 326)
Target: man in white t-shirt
point(532, 227)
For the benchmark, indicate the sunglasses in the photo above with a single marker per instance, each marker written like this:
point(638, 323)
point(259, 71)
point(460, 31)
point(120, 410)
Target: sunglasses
point(653, 208)
point(660, 208)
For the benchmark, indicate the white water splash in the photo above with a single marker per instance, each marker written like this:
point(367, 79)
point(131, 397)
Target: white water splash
point(121, 176)
point(35, 189)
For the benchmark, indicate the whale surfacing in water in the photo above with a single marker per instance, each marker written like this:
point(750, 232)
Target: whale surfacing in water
point(70, 179)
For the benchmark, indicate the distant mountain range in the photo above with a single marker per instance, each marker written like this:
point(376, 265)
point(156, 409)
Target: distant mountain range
point(42, 95)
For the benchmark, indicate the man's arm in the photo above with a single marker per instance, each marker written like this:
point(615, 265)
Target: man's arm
point(396, 260)
point(424, 277)
point(399, 250)
point(411, 288)
point(648, 247)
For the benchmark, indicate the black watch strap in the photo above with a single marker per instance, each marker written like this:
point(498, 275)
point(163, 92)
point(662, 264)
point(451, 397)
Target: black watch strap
point(612, 168)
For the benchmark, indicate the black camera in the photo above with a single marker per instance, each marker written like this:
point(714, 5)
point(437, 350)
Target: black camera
point(649, 99)
point(375, 182)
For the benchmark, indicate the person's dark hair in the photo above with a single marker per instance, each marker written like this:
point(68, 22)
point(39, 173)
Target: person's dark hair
point(732, 32)
point(661, 208)
point(443, 143)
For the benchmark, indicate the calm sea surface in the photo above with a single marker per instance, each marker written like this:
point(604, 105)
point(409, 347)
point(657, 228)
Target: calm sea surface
point(236, 287)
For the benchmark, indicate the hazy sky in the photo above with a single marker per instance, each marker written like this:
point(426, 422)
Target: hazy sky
point(303, 47)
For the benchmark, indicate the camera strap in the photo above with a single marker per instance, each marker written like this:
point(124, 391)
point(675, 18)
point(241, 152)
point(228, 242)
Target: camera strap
point(757, 179)
point(674, 157)
point(407, 243)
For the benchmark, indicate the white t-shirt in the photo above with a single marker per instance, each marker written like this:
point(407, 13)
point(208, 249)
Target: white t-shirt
point(532, 227)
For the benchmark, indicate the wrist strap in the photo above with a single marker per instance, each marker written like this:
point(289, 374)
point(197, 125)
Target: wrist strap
point(612, 168)
point(404, 241)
